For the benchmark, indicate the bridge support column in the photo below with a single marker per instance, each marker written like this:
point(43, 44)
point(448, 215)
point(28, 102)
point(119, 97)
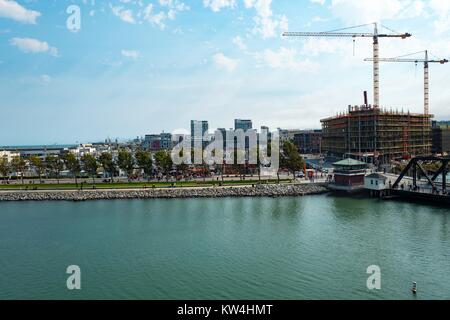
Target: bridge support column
point(444, 180)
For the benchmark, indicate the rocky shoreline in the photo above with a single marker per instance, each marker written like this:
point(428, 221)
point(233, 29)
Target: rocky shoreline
point(278, 190)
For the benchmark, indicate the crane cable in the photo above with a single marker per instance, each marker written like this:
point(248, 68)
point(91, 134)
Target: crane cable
point(407, 55)
point(363, 25)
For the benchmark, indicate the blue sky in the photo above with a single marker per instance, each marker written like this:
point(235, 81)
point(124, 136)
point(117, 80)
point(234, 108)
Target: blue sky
point(141, 66)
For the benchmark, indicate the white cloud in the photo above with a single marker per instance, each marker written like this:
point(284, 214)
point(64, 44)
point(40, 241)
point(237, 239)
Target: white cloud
point(442, 10)
point(124, 14)
point(29, 45)
point(267, 25)
point(174, 5)
point(36, 80)
point(316, 46)
point(12, 10)
point(156, 19)
point(45, 78)
point(368, 11)
point(131, 54)
point(172, 8)
point(225, 62)
point(285, 58)
point(217, 5)
point(321, 2)
point(239, 43)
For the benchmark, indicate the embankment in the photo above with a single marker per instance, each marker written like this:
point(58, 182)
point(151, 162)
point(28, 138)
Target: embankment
point(278, 190)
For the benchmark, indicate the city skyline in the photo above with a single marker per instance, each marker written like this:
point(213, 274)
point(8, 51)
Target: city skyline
point(139, 67)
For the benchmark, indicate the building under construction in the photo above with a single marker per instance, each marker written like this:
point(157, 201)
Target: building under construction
point(376, 135)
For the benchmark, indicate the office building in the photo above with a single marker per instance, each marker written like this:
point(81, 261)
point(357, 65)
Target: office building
point(441, 138)
point(240, 124)
point(308, 141)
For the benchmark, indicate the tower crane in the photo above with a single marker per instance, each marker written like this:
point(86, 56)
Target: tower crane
point(426, 63)
point(426, 86)
point(375, 36)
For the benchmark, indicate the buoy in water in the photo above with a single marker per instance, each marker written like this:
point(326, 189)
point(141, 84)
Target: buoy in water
point(414, 288)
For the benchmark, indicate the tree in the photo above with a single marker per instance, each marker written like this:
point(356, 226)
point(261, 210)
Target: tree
point(145, 162)
point(291, 159)
point(38, 166)
point(240, 168)
point(126, 163)
point(19, 165)
point(182, 167)
point(108, 164)
point(164, 161)
point(5, 168)
point(90, 165)
point(54, 165)
point(205, 169)
point(73, 165)
point(258, 163)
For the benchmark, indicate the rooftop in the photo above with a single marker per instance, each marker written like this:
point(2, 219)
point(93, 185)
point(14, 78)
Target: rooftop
point(349, 163)
point(377, 176)
point(356, 111)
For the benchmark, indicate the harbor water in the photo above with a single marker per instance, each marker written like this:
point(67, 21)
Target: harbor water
point(313, 247)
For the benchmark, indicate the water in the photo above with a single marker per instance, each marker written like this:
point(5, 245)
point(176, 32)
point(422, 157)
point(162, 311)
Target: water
point(439, 178)
point(315, 247)
point(51, 146)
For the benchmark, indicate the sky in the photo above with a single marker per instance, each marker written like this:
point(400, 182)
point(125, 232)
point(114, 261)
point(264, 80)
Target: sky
point(127, 68)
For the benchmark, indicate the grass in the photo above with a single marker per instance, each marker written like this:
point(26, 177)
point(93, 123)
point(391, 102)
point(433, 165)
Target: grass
point(132, 185)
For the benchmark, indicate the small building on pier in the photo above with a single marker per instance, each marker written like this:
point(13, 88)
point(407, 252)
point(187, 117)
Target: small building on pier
point(348, 175)
point(377, 184)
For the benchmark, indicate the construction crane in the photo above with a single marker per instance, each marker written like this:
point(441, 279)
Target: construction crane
point(426, 77)
point(376, 51)
point(426, 63)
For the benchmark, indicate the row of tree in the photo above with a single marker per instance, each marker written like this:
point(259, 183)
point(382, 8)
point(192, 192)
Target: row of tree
point(54, 165)
point(143, 161)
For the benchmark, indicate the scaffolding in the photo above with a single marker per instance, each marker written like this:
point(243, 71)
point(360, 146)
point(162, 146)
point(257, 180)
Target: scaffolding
point(375, 134)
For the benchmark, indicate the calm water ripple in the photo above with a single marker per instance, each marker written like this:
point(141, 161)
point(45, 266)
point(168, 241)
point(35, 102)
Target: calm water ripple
point(316, 247)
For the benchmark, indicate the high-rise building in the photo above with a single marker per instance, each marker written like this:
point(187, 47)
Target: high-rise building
point(441, 137)
point(223, 131)
point(284, 135)
point(152, 142)
point(202, 127)
point(166, 141)
point(268, 134)
point(243, 124)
